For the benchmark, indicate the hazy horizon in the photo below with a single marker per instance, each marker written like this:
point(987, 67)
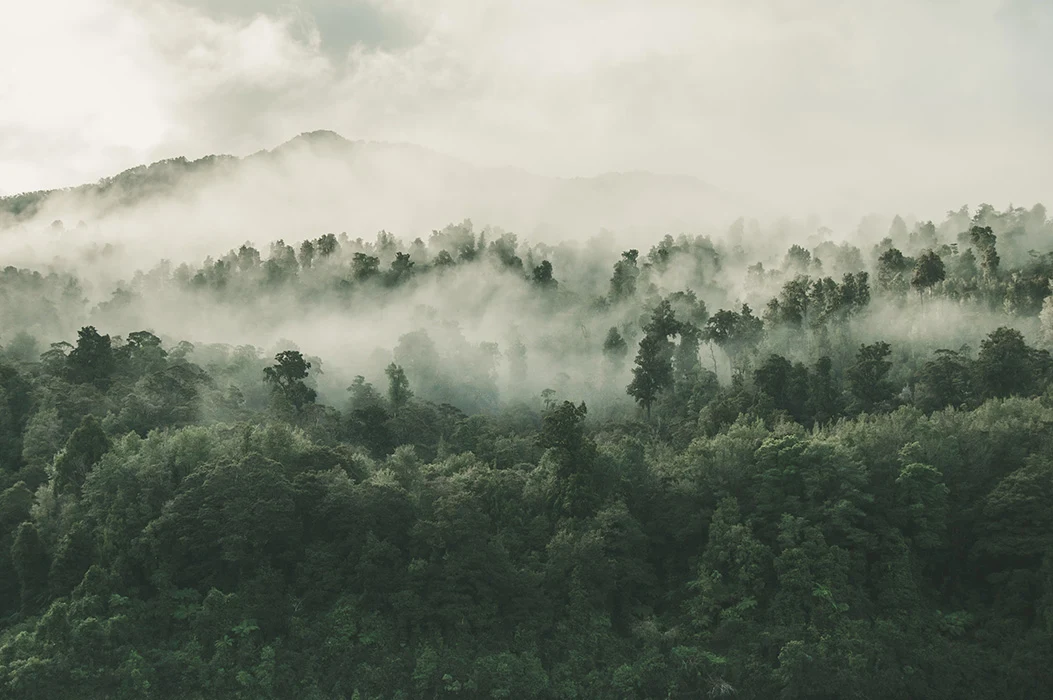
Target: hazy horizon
point(810, 106)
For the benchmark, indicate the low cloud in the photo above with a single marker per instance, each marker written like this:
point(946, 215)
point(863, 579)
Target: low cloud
point(815, 105)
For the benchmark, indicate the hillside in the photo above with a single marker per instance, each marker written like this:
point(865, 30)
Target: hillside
point(480, 467)
point(321, 180)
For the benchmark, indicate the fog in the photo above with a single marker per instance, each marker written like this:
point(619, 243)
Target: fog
point(709, 137)
point(470, 320)
point(549, 349)
point(810, 106)
point(321, 182)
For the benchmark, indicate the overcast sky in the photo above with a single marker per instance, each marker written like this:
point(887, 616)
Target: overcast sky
point(898, 104)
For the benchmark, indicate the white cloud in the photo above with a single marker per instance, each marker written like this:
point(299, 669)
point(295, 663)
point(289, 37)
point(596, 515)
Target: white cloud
point(818, 102)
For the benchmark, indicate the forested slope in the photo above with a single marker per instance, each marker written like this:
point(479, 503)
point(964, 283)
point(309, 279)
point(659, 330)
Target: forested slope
point(723, 468)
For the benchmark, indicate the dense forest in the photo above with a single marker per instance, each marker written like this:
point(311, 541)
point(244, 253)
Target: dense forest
point(777, 462)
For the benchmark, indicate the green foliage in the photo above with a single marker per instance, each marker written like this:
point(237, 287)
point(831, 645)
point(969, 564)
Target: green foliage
point(30, 563)
point(944, 381)
point(92, 361)
point(471, 530)
point(893, 270)
point(737, 333)
point(626, 274)
point(1004, 365)
point(399, 392)
point(15, 411)
point(653, 372)
point(84, 448)
point(286, 378)
point(984, 239)
point(928, 271)
point(786, 384)
point(868, 377)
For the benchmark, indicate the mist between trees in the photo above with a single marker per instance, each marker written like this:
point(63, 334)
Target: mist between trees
point(765, 463)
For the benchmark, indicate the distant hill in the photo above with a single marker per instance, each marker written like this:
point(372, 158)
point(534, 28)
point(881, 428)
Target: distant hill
point(321, 181)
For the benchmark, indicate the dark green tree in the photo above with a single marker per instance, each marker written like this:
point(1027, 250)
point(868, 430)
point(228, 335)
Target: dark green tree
point(579, 488)
point(797, 259)
point(401, 269)
point(686, 364)
point(84, 448)
point(364, 267)
point(286, 379)
point(16, 406)
point(653, 372)
point(73, 557)
point(399, 392)
point(868, 378)
point(944, 381)
point(542, 275)
point(1016, 527)
point(786, 384)
point(736, 333)
point(327, 245)
point(984, 239)
point(92, 361)
point(363, 394)
point(626, 273)
point(227, 524)
point(824, 398)
point(307, 252)
point(928, 270)
point(1004, 366)
point(894, 270)
point(30, 561)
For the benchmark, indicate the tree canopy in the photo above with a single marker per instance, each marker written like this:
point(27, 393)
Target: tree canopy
point(621, 484)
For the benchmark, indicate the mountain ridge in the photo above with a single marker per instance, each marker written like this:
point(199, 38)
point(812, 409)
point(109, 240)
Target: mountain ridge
point(320, 182)
point(133, 184)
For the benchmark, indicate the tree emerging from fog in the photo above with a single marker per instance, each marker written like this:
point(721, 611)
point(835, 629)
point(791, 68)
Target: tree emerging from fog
point(469, 465)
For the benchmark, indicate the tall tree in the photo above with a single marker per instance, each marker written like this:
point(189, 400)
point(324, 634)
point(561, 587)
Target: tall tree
point(84, 448)
point(364, 267)
point(92, 361)
point(307, 251)
point(327, 245)
point(542, 275)
point(31, 564)
point(893, 270)
point(286, 378)
point(626, 272)
point(868, 377)
point(786, 384)
point(653, 372)
point(579, 489)
point(984, 239)
point(686, 364)
point(824, 398)
point(401, 269)
point(735, 333)
point(16, 406)
point(928, 270)
point(946, 380)
point(399, 392)
point(1004, 365)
